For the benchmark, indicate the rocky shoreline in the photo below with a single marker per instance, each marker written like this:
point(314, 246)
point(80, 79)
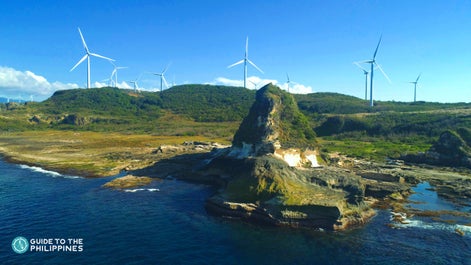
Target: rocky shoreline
point(272, 173)
point(386, 186)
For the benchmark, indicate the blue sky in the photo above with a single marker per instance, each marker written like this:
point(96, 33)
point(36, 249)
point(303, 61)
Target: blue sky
point(315, 42)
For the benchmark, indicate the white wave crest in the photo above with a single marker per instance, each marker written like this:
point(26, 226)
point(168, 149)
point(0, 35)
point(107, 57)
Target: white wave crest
point(136, 190)
point(454, 228)
point(48, 172)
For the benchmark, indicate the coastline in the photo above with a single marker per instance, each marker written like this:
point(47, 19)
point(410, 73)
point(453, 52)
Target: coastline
point(92, 154)
point(448, 183)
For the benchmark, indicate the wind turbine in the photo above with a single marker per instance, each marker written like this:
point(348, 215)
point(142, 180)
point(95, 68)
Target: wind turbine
point(87, 56)
point(372, 62)
point(287, 77)
point(245, 60)
point(134, 82)
point(415, 86)
point(254, 84)
point(162, 78)
point(366, 79)
point(115, 73)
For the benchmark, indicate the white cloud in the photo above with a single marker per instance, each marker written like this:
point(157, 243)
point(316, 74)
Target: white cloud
point(15, 84)
point(255, 82)
point(123, 84)
point(100, 84)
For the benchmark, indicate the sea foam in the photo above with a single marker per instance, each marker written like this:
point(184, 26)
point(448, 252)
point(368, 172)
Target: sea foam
point(414, 223)
point(136, 190)
point(48, 172)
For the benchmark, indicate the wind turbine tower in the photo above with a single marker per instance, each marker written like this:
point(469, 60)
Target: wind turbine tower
point(135, 84)
point(287, 77)
point(162, 78)
point(366, 79)
point(245, 60)
point(373, 63)
point(87, 56)
point(415, 86)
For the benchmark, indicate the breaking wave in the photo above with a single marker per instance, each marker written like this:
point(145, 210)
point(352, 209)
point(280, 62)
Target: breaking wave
point(453, 228)
point(136, 190)
point(48, 172)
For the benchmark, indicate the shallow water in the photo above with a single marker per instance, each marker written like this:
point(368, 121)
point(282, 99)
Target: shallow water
point(166, 223)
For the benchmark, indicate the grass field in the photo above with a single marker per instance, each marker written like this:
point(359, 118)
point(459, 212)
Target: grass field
point(89, 154)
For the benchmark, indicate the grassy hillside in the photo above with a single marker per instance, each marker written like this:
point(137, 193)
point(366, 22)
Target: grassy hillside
point(344, 123)
point(334, 103)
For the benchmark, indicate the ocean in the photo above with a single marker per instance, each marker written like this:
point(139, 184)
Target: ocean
point(73, 220)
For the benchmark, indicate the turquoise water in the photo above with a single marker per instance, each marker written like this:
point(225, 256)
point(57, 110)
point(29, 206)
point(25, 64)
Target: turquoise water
point(167, 224)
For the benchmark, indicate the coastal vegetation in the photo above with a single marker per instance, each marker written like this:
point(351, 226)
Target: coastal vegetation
point(343, 124)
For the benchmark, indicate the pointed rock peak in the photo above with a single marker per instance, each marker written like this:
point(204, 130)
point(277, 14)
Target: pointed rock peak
point(274, 123)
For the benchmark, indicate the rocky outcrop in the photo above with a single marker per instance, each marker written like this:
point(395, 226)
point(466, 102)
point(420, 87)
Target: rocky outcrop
point(451, 149)
point(268, 173)
point(128, 182)
point(275, 126)
point(74, 119)
point(265, 189)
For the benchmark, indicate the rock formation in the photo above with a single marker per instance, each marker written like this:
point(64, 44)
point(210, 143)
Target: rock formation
point(127, 182)
point(268, 175)
point(453, 148)
point(275, 126)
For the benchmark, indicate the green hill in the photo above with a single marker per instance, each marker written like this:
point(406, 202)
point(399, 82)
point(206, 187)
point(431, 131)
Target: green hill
point(345, 122)
point(334, 103)
point(208, 103)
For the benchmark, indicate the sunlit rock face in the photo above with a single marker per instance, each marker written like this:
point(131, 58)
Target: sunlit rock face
point(275, 126)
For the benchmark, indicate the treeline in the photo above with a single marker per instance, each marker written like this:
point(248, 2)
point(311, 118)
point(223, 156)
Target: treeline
point(428, 124)
point(334, 103)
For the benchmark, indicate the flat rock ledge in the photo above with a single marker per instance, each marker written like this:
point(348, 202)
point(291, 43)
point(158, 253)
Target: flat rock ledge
point(325, 218)
point(128, 182)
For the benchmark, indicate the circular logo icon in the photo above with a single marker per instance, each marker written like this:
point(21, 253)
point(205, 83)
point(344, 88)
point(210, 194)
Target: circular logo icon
point(20, 245)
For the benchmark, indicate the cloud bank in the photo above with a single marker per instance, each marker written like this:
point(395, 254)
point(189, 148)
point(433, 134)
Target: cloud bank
point(255, 82)
point(19, 84)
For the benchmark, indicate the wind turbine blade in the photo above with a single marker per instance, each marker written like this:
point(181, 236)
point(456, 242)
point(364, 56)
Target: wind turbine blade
point(165, 69)
point(359, 66)
point(255, 66)
point(122, 67)
point(79, 62)
point(165, 81)
point(287, 77)
point(365, 61)
point(377, 46)
point(101, 56)
point(234, 64)
point(247, 47)
point(385, 75)
point(417, 80)
point(83, 41)
point(139, 77)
